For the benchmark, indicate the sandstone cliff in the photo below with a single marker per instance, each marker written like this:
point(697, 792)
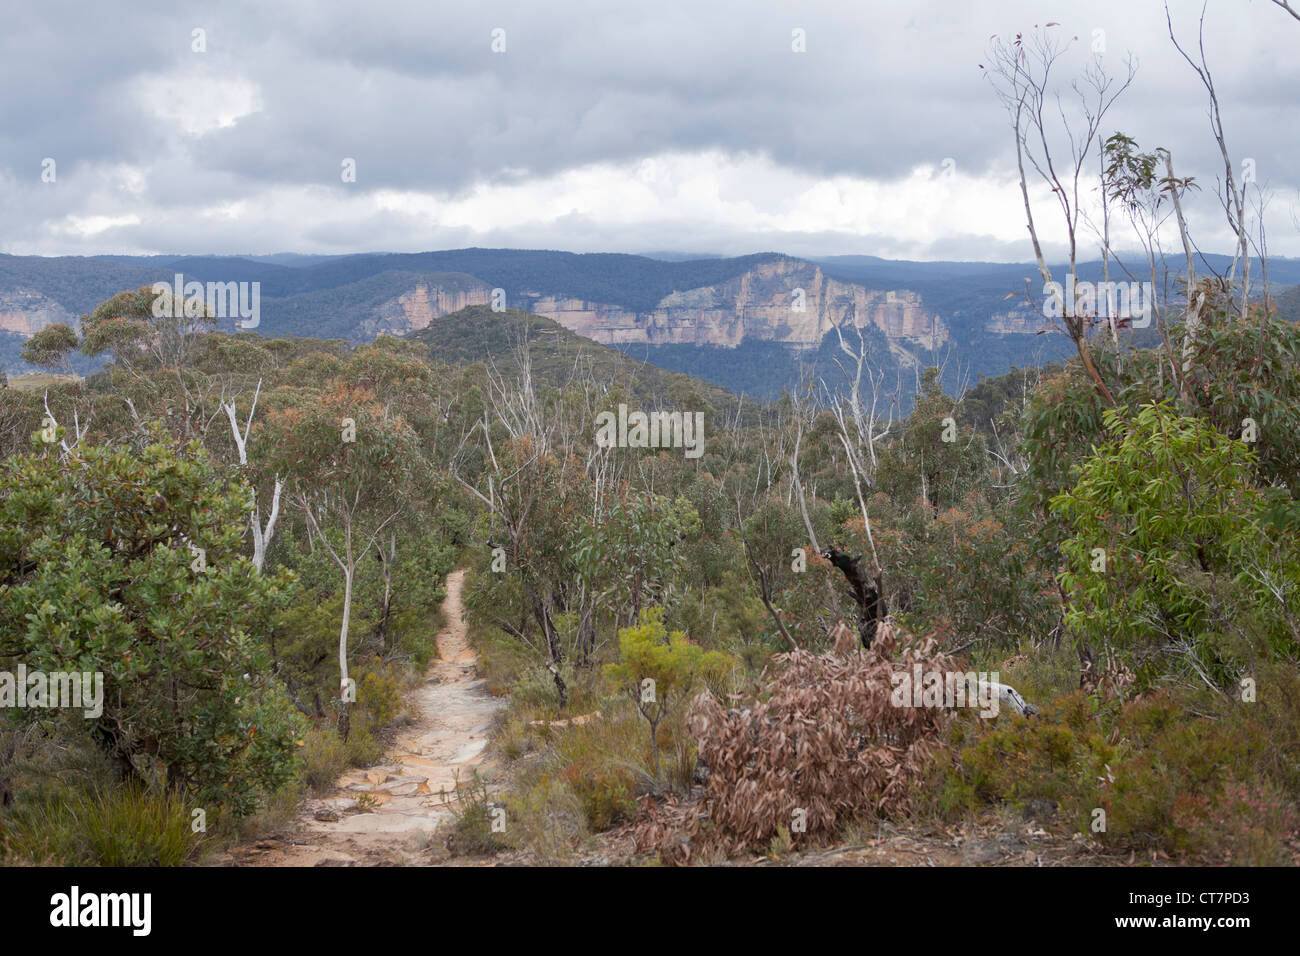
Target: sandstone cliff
point(27, 312)
point(786, 300)
point(430, 299)
point(781, 299)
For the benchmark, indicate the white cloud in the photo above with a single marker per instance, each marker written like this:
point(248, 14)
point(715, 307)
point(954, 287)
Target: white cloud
point(683, 127)
point(197, 102)
point(87, 226)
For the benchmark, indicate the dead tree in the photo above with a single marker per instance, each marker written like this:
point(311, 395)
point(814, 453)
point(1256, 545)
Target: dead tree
point(1020, 72)
point(867, 592)
point(1234, 195)
point(865, 582)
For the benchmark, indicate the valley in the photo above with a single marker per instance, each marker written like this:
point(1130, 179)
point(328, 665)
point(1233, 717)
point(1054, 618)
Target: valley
point(755, 324)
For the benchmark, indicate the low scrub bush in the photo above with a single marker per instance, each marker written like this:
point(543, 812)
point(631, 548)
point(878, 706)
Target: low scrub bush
point(363, 747)
point(476, 830)
point(545, 817)
point(126, 825)
point(324, 758)
point(1192, 784)
point(1246, 824)
point(1057, 756)
point(1219, 786)
point(823, 744)
point(379, 693)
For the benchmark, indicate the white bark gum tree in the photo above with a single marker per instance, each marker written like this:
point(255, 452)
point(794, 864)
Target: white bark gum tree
point(348, 559)
point(1105, 250)
point(79, 430)
point(1195, 297)
point(262, 534)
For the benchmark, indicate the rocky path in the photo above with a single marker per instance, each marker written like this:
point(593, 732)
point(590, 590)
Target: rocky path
point(384, 814)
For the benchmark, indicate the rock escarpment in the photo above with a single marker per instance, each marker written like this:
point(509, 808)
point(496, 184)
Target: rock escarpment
point(787, 300)
point(26, 312)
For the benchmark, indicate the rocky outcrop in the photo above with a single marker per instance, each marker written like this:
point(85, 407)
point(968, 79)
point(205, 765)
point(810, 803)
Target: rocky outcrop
point(27, 312)
point(414, 310)
point(786, 300)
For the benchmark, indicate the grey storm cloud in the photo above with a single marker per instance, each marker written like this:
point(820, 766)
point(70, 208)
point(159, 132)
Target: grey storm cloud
point(146, 131)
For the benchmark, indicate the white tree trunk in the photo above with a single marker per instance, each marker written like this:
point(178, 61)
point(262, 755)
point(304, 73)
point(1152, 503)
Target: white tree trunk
point(343, 632)
point(262, 537)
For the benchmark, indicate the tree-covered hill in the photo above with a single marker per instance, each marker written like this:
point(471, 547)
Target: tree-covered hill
point(556, 355)
point(355, 311)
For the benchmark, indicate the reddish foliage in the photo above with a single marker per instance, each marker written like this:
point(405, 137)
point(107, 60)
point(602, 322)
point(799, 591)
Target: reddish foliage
point(824, 739)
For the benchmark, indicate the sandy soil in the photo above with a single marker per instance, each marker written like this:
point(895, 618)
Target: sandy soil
point(386, 814)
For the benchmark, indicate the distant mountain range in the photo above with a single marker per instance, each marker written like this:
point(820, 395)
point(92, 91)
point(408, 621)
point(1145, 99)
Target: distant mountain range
point(753, 324)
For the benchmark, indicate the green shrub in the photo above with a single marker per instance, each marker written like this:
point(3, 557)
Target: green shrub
point(475, 818)
point(379, 695)
point(657, 667)
point(125, 825)
point(324, 758)
point(606, 791)
point(1218, 785)
point(1172, 761)
point(1172, 544)
point(97, 574)
point(363, 746)
point(1057, 756)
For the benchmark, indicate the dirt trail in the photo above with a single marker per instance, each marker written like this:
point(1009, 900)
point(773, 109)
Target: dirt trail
point(411, 792)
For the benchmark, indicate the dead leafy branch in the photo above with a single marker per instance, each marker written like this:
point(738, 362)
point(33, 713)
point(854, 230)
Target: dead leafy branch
point(824, 743)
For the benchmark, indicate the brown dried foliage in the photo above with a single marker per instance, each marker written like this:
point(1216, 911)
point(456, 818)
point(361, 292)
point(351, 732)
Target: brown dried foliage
point(1110, 682)
point(844, 640)
point(824, 738)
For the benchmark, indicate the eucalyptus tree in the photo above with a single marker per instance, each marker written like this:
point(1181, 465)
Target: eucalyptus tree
point(356, 469)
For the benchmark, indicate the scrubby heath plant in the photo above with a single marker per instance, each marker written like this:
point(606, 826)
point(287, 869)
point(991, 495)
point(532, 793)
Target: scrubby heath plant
point(129, 566)
point(1195, 776)
point(1172, 554)
point(657, 667)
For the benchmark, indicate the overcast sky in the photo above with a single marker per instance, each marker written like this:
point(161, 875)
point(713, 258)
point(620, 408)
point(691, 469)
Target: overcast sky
point(688, 126)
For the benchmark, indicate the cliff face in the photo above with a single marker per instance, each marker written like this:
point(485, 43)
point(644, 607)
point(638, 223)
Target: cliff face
point(28, 312)
point(414, 310)
point(786, 301)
